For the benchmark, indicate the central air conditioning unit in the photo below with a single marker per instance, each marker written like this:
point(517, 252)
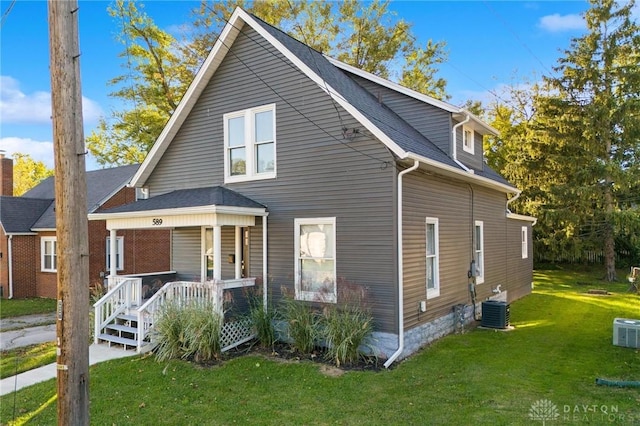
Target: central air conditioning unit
point(626, 332)
point(495, 314)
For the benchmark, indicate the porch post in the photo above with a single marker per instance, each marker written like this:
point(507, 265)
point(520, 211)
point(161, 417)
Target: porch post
point(217, 252)
point(238, 254)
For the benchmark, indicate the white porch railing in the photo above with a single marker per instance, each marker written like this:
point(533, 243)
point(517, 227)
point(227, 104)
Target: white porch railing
point(126, 294)
point(180, 292)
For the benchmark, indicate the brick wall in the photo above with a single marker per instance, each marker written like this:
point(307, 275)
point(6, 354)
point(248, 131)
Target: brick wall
point(6, 174)
point(25, 260)
point(4, 265)
point(46, 282)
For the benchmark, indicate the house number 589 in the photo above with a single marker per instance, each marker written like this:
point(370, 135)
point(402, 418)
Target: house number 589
point(156, 222)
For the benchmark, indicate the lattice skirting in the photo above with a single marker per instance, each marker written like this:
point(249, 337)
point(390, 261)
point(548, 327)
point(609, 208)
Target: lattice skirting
point(235, 333)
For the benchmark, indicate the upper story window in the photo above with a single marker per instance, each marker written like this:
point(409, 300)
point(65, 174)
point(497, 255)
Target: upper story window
point(49, 254)
point(250, 144)
point(468, 139)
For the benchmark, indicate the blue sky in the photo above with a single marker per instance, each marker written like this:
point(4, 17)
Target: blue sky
point(490, 44)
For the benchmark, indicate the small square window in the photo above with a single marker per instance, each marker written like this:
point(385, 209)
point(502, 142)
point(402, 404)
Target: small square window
point(468, 139)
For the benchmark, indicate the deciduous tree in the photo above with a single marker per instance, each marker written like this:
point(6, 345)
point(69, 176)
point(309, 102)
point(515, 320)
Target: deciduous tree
point(27, 173)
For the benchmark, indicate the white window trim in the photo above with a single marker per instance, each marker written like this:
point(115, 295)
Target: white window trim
point(468, 146)
point(524, 235)
point(480, 263)
point(433, 292)
point(119, 253)
point(43, 242)
point(309, 295)
point(250, 145)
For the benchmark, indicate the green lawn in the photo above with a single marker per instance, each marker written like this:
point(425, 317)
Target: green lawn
point(18, 307)
point(561, 343)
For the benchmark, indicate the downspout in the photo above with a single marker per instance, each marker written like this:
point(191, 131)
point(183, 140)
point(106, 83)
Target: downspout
point(454, 148)
point(397, 353)
point(10, 264)
point(264, 262)
point(511, 200)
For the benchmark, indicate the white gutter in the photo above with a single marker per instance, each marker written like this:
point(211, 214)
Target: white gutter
point(10, 263)
point(454, 148)
point(511, 200)
point(397, 353)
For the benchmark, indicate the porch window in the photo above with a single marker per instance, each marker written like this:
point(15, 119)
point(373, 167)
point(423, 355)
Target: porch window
point(524, 238)
point(48, 254)
point(119, 253)
point(249, 140)
point(315, 262)
point(433, 258)
point(468, 139)
point(479, 251)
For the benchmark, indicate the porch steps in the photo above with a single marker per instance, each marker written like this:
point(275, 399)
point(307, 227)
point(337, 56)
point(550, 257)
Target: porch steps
point(123, 331)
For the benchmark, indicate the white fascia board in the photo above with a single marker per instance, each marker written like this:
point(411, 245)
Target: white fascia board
point(475, 122)
point(522, 217)
point(21, 234)
point(41, 230)
point(324, 85)
point(394, 86)
point(199, 83)
point(240, 211)
point(463, 175)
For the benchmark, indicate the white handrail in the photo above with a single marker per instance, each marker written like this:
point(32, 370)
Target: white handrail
point(121, 298)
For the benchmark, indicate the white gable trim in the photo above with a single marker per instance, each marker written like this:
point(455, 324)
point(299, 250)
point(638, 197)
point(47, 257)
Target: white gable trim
point(199, 83)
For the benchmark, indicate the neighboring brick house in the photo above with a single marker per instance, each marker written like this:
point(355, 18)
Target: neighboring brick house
point(28, 234)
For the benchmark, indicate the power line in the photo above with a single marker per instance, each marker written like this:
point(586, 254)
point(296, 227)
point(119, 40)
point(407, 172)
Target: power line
point(6, 13)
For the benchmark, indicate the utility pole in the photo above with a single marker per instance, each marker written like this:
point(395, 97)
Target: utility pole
point(71, 215)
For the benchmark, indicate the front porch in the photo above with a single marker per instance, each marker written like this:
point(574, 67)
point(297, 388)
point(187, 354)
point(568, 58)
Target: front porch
point(217, 246)
point(124, 317)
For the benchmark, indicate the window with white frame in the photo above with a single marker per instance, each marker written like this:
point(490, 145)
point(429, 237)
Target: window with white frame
point(119, 253)
point(433, 258)
point(315, 267)
point(250, 144)
point(525, 246)
point(468, 142)
point(48, 254)
point(479, 251)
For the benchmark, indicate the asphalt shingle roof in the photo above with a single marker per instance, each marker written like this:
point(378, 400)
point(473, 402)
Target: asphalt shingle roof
point(198, 197)
point(18, 214)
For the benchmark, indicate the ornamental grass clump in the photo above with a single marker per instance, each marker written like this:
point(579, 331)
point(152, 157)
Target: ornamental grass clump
point(347, 325)
point(262, 320)
point(188, 332)
point(303, 324)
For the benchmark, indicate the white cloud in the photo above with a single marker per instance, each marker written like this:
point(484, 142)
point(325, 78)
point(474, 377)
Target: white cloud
point(34, 108)
point(558, 23)
point(38, 150)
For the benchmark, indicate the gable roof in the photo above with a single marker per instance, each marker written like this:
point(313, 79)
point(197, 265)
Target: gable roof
point(400, 138)
point(101, 186)
point(18, 214)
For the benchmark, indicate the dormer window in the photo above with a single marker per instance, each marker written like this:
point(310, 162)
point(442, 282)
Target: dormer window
point(468, 142)
point(250, 144)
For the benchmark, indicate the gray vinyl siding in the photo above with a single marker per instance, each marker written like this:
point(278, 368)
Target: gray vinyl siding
point(186, 253)
point(457, 206)
point(520, 270)
point(434, 123)
point(318, 173)
point(474, 161)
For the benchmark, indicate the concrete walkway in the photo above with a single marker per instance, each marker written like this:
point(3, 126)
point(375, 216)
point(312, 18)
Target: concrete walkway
point(31, 334)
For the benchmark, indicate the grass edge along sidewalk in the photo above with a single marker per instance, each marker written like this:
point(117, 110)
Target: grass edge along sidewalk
point(543, 370)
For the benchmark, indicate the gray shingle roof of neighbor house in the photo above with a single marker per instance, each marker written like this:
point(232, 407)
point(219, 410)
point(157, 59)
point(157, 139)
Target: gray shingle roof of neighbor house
point(101, 185)
point(198, 197)
point(18, 214)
